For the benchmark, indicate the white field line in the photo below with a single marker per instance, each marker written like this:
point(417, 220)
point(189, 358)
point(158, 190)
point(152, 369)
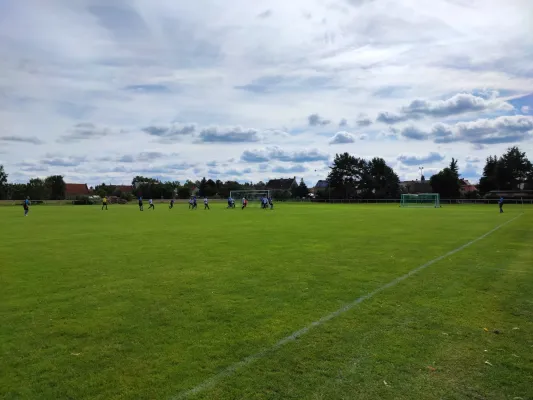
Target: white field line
point(210, 382)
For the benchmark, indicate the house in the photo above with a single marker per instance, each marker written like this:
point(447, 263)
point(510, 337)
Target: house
point(466, 186)
point(320, 185)
point(282, 184)
point(72, 190)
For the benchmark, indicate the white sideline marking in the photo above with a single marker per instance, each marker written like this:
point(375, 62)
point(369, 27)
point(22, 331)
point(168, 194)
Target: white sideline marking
point(210, 382)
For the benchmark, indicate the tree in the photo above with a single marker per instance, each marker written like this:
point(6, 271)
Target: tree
point(453, 167)
point(446, 182)
point(184, 192)
point(301, 191)
point(3, 182)
point(346, 176)
point(202, 186)
point(489, 179)
point(142, 179)
point(381, 180)
point(37, 189)
point(512, 171)
point(56, 187)
point(17, 191)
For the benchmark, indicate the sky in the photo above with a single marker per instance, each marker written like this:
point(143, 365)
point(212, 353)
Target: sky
point(104, 90)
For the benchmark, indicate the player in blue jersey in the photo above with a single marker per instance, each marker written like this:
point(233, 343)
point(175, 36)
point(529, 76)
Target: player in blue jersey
point(26, 205)
point(171, 203)
point(141, 204)
point(500, 204)
point(194, 203)
point(271, 203)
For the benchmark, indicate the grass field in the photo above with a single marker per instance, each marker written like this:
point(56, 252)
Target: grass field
point(121, 304)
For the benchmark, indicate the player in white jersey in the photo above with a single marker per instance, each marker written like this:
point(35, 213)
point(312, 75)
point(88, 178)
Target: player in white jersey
point(206, 204)
point(151, 204)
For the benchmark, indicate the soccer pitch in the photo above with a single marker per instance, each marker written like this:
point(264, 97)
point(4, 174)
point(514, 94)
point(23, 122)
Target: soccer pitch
point(302, 302)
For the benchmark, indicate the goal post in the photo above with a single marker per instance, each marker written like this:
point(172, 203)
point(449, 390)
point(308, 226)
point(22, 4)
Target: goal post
point(251, 195)
point(421, 200)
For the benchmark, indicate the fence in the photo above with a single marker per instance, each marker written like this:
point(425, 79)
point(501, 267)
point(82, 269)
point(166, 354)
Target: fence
point(322, 201)
point(442, 201)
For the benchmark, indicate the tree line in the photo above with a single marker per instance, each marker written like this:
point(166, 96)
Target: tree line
point(349, 177)
point(50, 188)
point(353, 177)
point(53, 188)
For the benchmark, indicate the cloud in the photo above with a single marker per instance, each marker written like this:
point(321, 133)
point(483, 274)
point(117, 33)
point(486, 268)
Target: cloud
point(343, 122)
point(413, 160)
point(505, 129)
point(148, 88)
point(170, 134)
point(277, 154)
point(20, 139)
point(317, 120)
point(458, 104)
point(84, 131)
point(293, 169)
point(390, 118)
point(525, 109)
point(63, 161)
point(342, 138)
point(265, 14)
point(255, 156)
point(363, 120)
point(472, 159)
point(414, 133)
point(228, 135)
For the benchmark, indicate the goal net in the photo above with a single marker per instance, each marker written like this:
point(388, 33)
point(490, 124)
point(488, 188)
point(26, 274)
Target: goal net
point(251, 195)
point(430, 200)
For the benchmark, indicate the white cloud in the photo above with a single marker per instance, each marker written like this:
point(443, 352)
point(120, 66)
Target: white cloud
point(207, 80)
point(342, 138)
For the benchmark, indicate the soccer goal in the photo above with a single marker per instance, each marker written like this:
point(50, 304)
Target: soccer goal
point(251, 195)
point(420, 200)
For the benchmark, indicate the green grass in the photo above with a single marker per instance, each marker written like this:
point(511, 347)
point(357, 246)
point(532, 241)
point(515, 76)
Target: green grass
point(129, 305)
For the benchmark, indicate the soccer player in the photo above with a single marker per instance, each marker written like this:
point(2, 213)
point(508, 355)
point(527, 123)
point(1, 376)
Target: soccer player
point(190, 202)
point(104, 202)
point(194, 203)
point(171, 203)
point(271, 203)
point(141, 204)
point(244, 203)
point(206, 204)
point(229, 202)
point(151, 204)
point(500, 203)
point(26, 206)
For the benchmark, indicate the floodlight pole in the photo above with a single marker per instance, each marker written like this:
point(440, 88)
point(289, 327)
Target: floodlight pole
point(421, 169)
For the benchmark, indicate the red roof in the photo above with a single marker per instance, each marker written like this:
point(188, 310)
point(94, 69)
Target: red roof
point(76, 189)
